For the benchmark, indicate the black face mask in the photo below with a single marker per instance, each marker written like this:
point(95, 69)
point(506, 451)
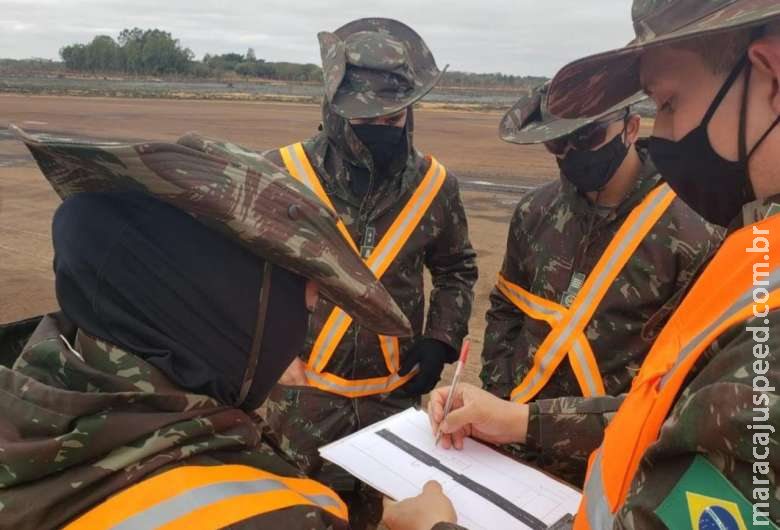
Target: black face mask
point(714, 187)
point(591, 170)
point(383, 141)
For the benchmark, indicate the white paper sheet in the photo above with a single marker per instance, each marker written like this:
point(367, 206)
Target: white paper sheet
point(489, 490)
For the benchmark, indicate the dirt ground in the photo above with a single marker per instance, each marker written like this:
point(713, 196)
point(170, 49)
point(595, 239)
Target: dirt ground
point(466, 142)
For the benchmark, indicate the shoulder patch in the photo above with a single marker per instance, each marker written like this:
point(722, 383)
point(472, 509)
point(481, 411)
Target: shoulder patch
point(704, 499)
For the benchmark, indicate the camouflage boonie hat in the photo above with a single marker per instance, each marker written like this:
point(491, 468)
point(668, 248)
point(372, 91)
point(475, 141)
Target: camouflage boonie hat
point(374, 67)
point(588, 86)
point(529, 121)
point(238, 192)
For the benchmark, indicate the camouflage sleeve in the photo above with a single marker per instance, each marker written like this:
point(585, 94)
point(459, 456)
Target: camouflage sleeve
point(566, 430)
point(452, 263)
point(693, 241)
point(504, 319)
point(721, 430)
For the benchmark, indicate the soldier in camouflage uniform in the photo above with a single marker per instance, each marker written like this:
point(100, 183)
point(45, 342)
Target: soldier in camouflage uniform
point(693, 444)
point(94, 435)
point(365, 161)
point(558, 235)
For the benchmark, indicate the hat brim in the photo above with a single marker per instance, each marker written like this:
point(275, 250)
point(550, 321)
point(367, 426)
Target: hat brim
point(588, 86)
point(349, 107)
point(239, 193)
point(552, 127)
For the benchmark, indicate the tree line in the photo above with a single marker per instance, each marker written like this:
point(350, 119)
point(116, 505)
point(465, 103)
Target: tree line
point(155, 52)
point(136, 51)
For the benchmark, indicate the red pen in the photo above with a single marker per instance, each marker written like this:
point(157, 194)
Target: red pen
point(464, 355)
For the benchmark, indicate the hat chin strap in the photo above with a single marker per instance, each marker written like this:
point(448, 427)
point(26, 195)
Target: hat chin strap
point(257, 340)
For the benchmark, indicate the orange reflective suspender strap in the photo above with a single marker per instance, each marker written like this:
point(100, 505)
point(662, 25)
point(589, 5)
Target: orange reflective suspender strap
point(381, 258)
point(298, 165)
point(567, 338)
point(581, 356)
point(722, 298)
point(206, 497)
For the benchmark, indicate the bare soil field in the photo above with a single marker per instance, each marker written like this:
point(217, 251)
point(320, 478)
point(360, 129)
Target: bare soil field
point(466, 142)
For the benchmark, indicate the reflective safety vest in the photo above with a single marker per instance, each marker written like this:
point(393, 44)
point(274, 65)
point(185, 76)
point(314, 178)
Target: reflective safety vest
point(338, 322)
point(567, 336)
point(206, 497)
point(722, 297)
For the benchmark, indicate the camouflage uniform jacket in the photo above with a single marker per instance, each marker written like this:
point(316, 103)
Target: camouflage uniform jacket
point(551, 239)
point(440, 243)
point(720, 386)
point(305, 418)
point(712, 417)
point(73, 432)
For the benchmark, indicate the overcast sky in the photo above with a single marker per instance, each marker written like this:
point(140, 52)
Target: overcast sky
point(527, 37)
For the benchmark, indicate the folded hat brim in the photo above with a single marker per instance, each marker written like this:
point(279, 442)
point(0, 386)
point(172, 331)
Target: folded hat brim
point(238, 192)
point(552, 127)
point(356, 106)
point(588, 86)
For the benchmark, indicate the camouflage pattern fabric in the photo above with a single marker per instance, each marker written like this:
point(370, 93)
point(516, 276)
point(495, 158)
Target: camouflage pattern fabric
point(375, 66)
point(555, 233)
point(74, 431)
point(550, 239)
point(249, 199)
point(529, 121)
point(306, 418)
point(588, 86)
point(303, 419)
point(720, 387)
point(712, 417)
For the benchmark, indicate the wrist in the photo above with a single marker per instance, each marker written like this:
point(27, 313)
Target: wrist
point(518, 417)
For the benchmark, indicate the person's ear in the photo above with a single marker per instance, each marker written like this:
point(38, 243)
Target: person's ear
point(764, 54)
point(633, 124)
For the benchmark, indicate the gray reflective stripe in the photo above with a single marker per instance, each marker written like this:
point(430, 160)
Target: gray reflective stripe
point(406, 221)
point(742, 301)
point(596, 509)
point(298, 163)
point(545, 362)
point(330, 337)
point(376, 387)
point(536, 307)
point(589, 296)
point(543, 365)
point(391, 349)
point(186, 502)
point(598, 513)
point(321, 500)
point(579, 353)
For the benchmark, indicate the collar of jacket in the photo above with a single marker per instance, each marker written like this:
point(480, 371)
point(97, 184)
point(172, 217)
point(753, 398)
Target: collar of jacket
point(648, 179)
point(336, 171)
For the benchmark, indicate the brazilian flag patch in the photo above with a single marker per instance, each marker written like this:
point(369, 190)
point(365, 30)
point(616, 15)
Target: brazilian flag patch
point(704, 499)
